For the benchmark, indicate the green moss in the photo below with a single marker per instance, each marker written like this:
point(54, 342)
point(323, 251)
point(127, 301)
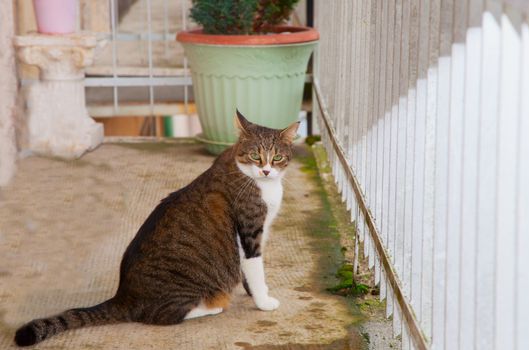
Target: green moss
point(366, 337)
point(336, 274)
point(363, 301)
point(310, 140)
point(347, 285)
point(371, 305)
point(323, 227)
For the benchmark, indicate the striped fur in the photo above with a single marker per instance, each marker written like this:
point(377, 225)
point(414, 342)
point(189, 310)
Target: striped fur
point(41, 329)
point(186, 253)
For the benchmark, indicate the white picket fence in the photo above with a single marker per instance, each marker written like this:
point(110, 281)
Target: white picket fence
point(424, 112)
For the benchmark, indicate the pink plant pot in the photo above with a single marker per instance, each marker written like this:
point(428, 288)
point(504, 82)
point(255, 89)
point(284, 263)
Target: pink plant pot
point(56, 16)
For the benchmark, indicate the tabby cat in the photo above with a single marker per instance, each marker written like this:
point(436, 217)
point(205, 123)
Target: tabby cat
point(197, 244)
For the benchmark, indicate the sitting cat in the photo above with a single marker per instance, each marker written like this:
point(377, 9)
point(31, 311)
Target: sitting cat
point(188, 256)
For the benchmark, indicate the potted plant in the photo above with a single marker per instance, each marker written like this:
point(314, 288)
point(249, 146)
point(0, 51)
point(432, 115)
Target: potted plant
point(243, 58)
point(56, 16)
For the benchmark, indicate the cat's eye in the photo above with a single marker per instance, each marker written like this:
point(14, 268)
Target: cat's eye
point(278, 157)
point(255, 156)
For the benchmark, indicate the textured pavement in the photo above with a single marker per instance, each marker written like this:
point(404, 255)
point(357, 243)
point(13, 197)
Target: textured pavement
point(64, 226)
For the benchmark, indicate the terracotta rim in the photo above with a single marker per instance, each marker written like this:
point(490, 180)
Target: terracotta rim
point(296, 35)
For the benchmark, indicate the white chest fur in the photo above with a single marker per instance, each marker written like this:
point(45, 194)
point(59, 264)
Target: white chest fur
point(272, 194)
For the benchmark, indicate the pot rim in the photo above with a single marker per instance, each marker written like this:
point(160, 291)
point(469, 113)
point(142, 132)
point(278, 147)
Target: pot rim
point(296, 35)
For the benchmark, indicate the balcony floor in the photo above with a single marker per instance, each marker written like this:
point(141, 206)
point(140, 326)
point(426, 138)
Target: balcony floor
point(64, 226)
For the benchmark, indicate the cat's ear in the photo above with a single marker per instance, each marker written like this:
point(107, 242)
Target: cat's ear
point(242, 123)
point(288, 134)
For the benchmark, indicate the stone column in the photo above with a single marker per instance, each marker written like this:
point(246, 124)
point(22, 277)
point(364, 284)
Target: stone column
point(58, 122)
point(8, 93)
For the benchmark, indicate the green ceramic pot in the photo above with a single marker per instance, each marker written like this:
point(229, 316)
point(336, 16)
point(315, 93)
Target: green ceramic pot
point(264, 81)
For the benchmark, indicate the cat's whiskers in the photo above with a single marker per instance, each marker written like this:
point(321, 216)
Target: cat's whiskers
point(238, 181)
point(243, 189)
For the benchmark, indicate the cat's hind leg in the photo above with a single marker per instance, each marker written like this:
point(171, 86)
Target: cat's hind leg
point(210, 306)
point(168, 313)
point(202, 310)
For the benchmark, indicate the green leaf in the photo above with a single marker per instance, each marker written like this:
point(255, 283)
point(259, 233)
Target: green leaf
point(240, 16)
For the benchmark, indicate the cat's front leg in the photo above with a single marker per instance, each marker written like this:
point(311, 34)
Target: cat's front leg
point(253, 269)
point(245, 285)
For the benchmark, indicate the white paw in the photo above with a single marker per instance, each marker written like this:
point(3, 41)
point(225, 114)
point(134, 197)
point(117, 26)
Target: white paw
point(267, 303)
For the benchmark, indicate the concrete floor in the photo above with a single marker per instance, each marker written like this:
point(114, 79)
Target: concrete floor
point(64, 226)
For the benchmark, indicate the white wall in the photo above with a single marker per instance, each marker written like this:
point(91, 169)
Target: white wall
point(8, 92)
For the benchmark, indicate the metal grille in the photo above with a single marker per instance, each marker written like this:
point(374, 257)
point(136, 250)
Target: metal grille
point(424, 112)
point(141, 64)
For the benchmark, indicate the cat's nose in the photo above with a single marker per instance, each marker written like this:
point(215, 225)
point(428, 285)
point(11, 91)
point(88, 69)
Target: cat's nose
point(266, 172)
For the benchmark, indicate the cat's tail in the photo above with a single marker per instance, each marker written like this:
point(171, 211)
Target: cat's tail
point(38, 330)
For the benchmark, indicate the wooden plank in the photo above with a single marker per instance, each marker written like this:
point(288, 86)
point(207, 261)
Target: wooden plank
point(129, 126)
point(138, 109)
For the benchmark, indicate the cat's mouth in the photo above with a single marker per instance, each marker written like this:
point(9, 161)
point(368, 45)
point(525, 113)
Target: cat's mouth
point(267, 178)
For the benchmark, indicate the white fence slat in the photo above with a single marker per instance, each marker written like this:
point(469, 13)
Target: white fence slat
point(409, 149)
point(364, 85)
point(377, 270)
point(412, 249)
point(349, 73)
point(393, 138)
point(394, 118)
point(441, 176)
point(429, 169)
point(383, 287)
point(397, 320)
point(405, 341)
point(469, 184)
point(374, 41)
point(402, 199)
point(522, 219)
point(389, 299)
point(487, 169)
point(376, 55)
point(363, 94)
point(355, 108)
point(387, 128)
point(455, 140)
point(380, 111)
point(506, 178)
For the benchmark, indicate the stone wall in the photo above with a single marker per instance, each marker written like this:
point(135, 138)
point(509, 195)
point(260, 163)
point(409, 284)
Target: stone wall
point(9, 109)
